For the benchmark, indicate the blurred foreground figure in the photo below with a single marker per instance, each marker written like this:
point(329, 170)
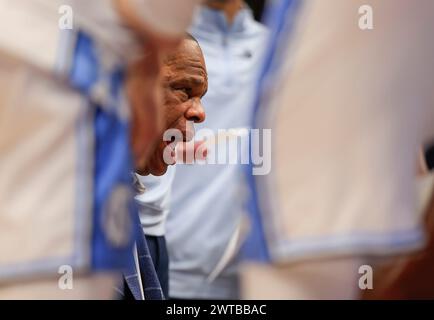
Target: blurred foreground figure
point(66, 222)
point(349, 109)
point(410, 277)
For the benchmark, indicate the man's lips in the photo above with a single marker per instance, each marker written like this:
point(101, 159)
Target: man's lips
point(192, 151)
point(172, 146)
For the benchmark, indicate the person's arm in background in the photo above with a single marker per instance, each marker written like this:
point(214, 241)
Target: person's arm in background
point(161, 22)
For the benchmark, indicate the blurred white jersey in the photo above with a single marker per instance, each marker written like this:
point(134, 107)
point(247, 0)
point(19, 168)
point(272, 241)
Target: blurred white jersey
point(349, 108)
point(37, 25)
point(65, 161)
point(64, 199)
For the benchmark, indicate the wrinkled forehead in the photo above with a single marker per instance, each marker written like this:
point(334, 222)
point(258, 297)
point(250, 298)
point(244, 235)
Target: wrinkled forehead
point(187, 59)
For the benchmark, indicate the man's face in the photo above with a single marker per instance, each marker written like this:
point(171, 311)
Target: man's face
point(185, 82)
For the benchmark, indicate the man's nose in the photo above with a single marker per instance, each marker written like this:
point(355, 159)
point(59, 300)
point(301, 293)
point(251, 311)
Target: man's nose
point(195, 113)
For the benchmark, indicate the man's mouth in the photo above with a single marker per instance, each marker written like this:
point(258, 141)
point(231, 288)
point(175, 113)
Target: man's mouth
point(170, 154)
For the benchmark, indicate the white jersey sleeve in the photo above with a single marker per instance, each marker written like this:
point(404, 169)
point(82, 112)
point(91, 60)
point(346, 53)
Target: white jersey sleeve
point(349, 114)
point(154, 203)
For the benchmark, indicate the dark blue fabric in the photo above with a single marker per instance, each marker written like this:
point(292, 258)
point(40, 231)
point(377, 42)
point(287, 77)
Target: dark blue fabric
point(160, 258)
point(150, 283)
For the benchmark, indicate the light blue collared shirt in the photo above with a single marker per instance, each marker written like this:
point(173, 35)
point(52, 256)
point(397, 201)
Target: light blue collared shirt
point(207, 200)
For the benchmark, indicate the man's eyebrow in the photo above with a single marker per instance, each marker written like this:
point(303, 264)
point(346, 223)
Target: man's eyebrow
point(197, 79)
point(191, 79)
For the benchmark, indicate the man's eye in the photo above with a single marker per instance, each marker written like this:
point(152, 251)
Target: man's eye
point(186, 91)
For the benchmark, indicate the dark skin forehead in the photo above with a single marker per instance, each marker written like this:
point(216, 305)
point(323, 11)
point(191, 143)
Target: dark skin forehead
point(186, 67)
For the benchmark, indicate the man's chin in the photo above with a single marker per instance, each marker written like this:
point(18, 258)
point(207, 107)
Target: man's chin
point(154, 170)
point(158, 170)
